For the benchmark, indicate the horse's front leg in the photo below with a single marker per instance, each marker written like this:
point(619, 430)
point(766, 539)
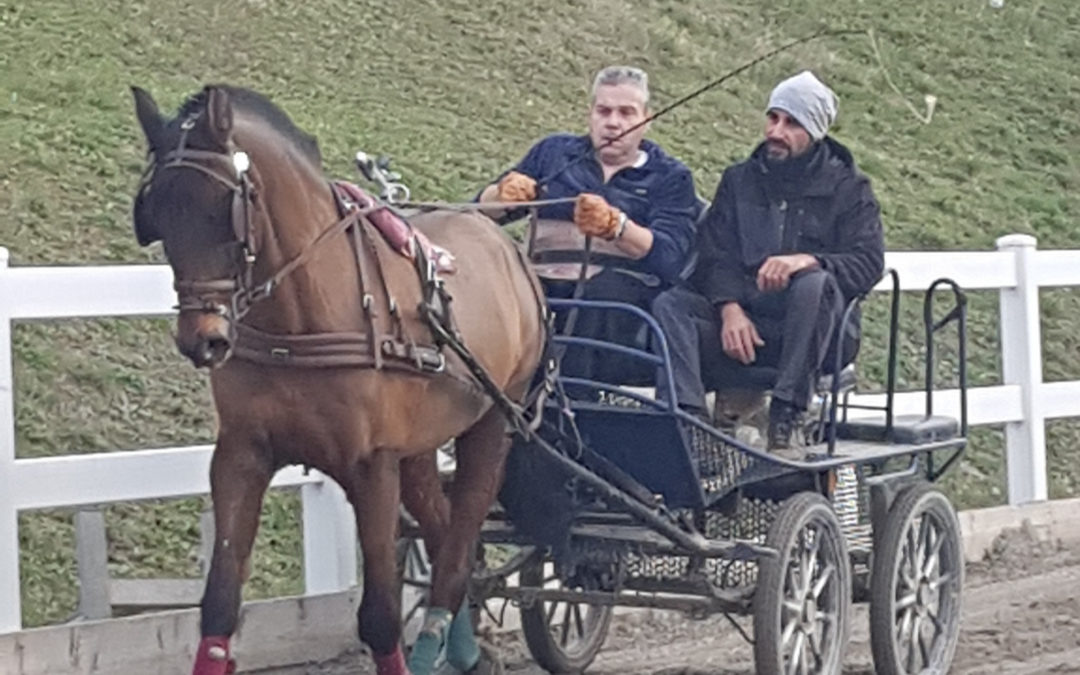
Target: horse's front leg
point(239, 476)
point(375, 495)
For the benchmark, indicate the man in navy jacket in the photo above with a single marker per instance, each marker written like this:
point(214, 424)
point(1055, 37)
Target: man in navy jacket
point(629, 192)
point(793, 233)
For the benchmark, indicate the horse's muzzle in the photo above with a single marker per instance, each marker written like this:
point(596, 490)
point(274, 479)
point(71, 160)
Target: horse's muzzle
point(204, 338)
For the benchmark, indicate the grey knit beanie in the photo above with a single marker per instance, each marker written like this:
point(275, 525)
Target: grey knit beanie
point(808, 100)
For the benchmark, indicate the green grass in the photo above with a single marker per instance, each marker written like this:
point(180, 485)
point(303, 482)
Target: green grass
point(457, 90)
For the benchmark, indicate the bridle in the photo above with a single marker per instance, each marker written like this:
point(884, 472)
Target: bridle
point(232, 170)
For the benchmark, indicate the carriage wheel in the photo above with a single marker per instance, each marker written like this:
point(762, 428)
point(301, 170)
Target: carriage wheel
point(563, 637)
point(916, 585)
point(802, 601)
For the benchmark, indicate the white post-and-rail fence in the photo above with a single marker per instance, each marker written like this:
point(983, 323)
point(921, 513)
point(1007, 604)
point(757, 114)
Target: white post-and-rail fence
point(1023, 403)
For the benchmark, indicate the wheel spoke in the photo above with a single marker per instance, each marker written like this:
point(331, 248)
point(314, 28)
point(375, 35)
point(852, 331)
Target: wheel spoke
point(924, 649)
point(793, 606)
point(912, 641)
point(565, 637)
point(793, 584)
point(904, 626)
point(905, 602)
point(552, 609)
point(940, 580)
point(812, 557)
point(796, 652)
point(788, 633)
point(939, 627)
point(933, 556)
point(822, 581)
point(816, 649)
point(578, 622)
point(908, 563)
point(924, 533)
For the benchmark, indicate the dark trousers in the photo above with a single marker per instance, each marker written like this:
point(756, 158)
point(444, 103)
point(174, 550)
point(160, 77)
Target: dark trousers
point(610, 326)
point(796, 324)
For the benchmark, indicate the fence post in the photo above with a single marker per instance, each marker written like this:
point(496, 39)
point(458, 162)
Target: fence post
point(329, 538)
point(1021, 360)
point(10, 605)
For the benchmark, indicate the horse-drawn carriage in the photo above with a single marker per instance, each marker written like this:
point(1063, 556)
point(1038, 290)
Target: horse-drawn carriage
point(322, 354)
point(621, 499)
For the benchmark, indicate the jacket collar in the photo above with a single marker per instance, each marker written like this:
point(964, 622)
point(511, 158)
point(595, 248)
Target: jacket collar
point(828, 165)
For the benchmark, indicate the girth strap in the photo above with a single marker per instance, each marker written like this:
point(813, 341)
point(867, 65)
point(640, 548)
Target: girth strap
point(333, 350)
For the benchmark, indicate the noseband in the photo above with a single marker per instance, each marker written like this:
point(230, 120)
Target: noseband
point(231, 169)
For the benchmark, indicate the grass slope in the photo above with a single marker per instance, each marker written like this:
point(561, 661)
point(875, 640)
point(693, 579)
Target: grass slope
point(456, 90)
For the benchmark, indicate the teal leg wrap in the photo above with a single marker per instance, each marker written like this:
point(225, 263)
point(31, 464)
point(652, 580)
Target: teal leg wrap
point(431, 642)
point(462, 652)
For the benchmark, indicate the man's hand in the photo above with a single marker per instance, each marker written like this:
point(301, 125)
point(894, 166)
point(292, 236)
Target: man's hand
point(517, 187)
point(738, 334)
point(776, 272)
point(595, 217)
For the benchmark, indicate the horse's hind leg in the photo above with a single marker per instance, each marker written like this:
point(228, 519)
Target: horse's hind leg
point(375, 497)
point(239, 477)
point(481, 452)
point(423, 496)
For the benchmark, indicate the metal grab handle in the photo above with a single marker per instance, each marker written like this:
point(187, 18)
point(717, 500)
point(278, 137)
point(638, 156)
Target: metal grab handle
point(377, 171)
point(958, 313)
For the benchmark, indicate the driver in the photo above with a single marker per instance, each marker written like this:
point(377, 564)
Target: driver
point(628, 192)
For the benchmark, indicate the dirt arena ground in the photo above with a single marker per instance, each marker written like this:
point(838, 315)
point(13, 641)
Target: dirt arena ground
point(1021, 616)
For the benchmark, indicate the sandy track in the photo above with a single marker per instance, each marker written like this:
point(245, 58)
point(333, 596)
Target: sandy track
point(1021, 616)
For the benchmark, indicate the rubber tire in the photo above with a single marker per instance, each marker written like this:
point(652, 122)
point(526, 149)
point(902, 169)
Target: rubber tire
point(543, 646)
point(793, 515)
point(916, 499)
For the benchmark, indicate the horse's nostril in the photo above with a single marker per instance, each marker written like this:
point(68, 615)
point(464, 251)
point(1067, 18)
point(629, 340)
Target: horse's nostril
point(217, 350)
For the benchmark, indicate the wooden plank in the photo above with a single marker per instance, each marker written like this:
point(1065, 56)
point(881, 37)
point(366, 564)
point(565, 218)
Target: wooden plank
point(91, 556)
point(129, 475)
point(143, 594)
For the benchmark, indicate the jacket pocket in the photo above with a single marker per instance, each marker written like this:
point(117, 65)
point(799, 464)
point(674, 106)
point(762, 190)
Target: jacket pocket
point(759, 234)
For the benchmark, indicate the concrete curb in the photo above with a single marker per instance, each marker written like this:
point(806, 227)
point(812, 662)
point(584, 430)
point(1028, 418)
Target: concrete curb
point(1054, 520)
point(294, 631)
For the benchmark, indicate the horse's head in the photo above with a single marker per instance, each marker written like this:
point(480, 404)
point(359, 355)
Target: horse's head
point(197, 199)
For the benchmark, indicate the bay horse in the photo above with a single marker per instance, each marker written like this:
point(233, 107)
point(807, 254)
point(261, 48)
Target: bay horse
point(309, 323)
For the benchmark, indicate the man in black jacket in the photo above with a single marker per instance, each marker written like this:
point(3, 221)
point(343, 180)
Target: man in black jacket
point(794, 232)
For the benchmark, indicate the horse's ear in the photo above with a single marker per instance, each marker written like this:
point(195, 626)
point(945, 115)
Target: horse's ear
point(219, 122)
point(150, 119)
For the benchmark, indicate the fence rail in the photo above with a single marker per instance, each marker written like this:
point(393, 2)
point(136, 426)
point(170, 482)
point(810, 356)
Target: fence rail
point(1022, 403)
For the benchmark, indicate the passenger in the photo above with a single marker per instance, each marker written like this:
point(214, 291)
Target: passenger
point(630, 193)
point(793, 233)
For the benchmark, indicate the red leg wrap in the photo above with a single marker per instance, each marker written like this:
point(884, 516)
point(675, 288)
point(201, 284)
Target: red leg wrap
point(391, 664)
point(213, 657)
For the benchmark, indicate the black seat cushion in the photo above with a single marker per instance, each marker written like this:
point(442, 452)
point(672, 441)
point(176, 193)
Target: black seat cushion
point(907, 429)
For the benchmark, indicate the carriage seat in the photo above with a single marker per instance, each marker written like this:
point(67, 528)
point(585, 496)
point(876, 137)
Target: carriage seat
point(906, 429)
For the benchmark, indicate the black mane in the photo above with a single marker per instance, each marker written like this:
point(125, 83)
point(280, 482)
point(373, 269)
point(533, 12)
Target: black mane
point(254, 103)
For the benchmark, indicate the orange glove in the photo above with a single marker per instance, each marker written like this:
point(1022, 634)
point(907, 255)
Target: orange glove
point(517, 187)
point(595, 217)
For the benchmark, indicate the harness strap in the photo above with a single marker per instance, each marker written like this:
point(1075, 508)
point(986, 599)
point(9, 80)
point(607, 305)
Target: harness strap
point(334, 350)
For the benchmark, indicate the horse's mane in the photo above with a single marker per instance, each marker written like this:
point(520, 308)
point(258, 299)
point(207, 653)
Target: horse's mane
point(254, 103)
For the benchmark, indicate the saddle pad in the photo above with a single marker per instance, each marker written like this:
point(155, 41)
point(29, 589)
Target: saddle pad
point(398, 233)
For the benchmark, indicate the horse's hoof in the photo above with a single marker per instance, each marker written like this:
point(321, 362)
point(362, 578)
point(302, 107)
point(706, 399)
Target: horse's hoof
point(489, 664)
